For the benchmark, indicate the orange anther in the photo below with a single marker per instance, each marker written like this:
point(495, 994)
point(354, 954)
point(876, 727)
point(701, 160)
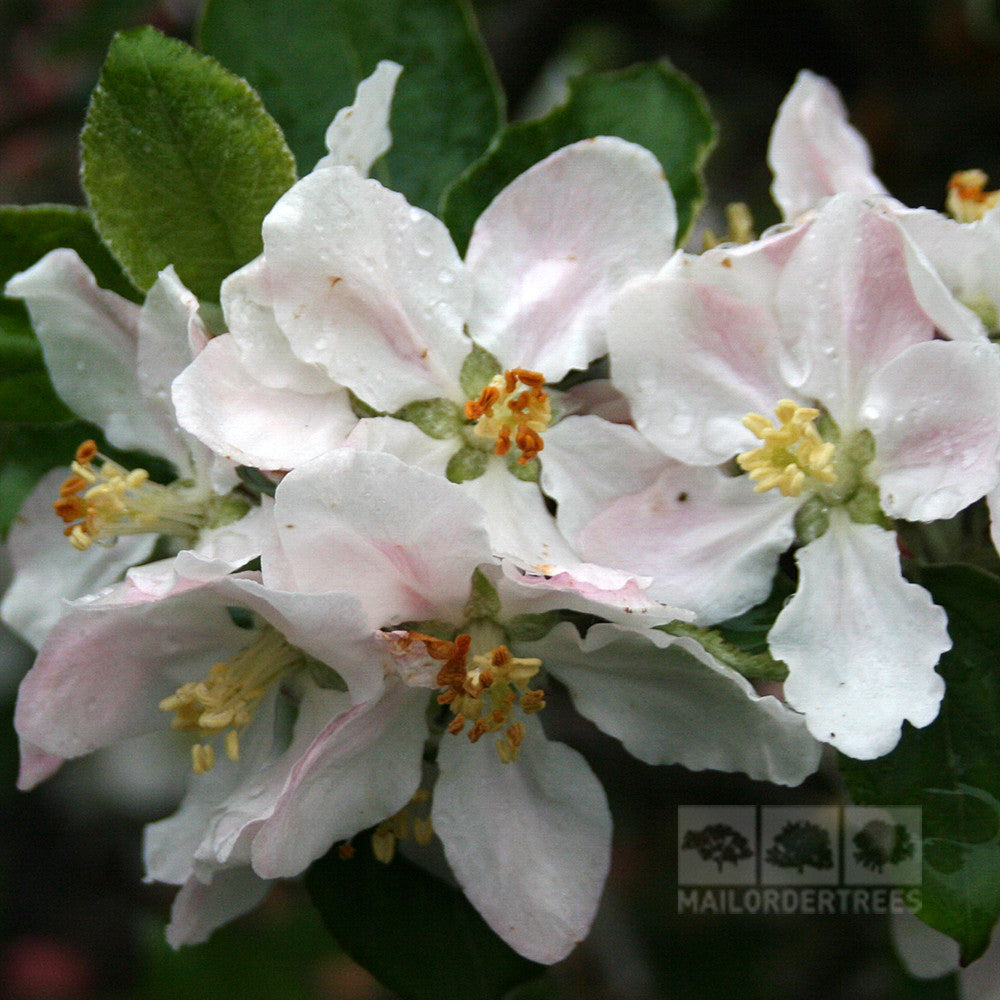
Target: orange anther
point(86, 451)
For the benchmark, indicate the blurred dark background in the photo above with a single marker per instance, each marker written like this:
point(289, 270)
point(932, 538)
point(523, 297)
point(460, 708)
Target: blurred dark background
point(922, 82)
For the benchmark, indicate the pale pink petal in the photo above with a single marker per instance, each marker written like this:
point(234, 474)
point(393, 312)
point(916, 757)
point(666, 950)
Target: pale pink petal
point(860, 642)
point(587, 588)
point(108, 663)
point(368, 288)
point(529, 842)
point(935, 415)
point(814, 152)
point(48, 571)
point(201, 908)
point(706, 540)
point(693, 355)
point(555, 245)
point(363, 767)
point(219, 401)
point(345, 522)
point(359, 134)
point(670, 702)
point(847, 305)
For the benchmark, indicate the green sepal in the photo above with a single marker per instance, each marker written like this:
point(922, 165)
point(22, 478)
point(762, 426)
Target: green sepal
point(419, 936)
point(28, 233)
point(527, 472)
point(484, 602)
point(951, 768)
point(758, 666)
point(531, 628)
point(812, 520)
point(361, 409)
point(447, 105)
point(467, 463)
point(650, 104)
point(438, 418)
point(478, 369)
point(180, 162)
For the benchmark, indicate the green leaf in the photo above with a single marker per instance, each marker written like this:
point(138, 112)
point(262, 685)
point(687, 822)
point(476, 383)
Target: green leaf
point(951, 768)
point(180, 162)
point(27, 233)
point(447, 106)
point(651, 104)
point(419, 936)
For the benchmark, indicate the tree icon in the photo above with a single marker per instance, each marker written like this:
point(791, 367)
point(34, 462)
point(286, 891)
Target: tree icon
point(879, 844)
point(801, 845)
point(718, 842)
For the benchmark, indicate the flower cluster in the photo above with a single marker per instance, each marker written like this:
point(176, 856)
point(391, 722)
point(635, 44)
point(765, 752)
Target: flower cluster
point(394, 523)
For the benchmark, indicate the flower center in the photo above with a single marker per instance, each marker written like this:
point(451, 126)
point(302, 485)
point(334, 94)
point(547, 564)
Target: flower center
point(102, 501)
point(226, 700)
point(791, 453)
point(513, 408)
point(484, 691)
point(967, 199)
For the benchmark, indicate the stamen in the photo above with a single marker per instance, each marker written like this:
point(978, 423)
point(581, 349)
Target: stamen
point(401, 826)
point(791, 454)
point(486, 691)
point(230, 695)
point(967, 199)
point(102, 501)
point(503, 412)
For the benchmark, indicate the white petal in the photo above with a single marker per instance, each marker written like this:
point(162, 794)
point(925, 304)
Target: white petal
point(168, 323)
point(362, 768)
point(553, 247)
point(219, 401)
point(201, 908)
point(814, 152)
point(345, 522)
point(529, 842)
point(248, 304)
point(369, 288)
point(860, 642)
point(517, 519)
point(48, 570)
point(670, 702)
point(359, 134)
point(934, 413)
point(89, 337)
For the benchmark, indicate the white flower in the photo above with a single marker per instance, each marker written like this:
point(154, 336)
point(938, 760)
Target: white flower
point(349, 579)
point(808, 357)
point(112, 362)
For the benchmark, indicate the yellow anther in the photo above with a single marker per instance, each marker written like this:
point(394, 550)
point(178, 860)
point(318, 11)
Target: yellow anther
point(513, 408)
point(967, 199)
point(792, 453)
point(101, 501)
point(230, 695)
point(423, 830)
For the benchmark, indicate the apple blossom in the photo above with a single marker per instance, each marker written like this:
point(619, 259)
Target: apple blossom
point(798, 357)
point(112, 362)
